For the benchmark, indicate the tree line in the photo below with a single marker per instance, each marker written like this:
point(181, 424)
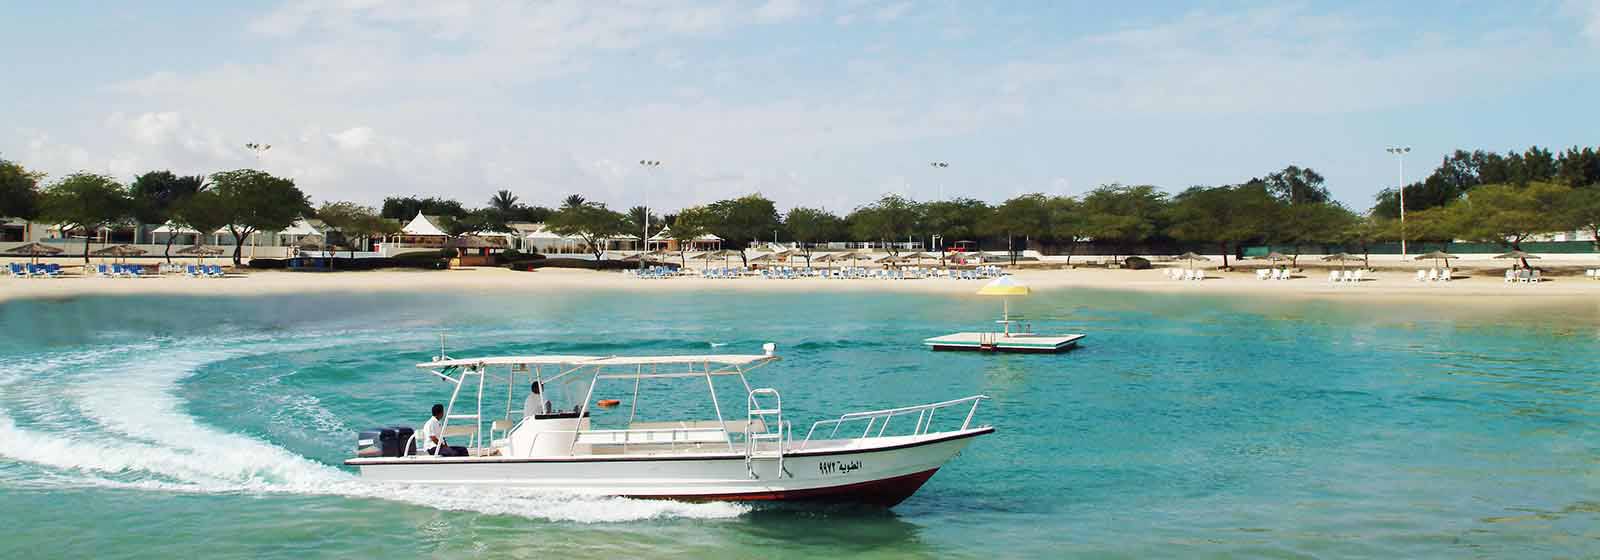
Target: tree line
point(1477, 196)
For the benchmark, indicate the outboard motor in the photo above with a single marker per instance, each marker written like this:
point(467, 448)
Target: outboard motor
point(385, 442)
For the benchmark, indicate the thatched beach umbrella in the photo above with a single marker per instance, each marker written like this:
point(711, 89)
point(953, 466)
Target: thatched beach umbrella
point(1192, 256)
point(723, 254)
point(120, 252)
point(1516, 255)
point(1437, 256)
point(1342, 258)
point(826, 258)
point(200, 252)
point(769, 258)
point(34, 250)
point(636, 257)
point(1521, 256)
point(919, 256)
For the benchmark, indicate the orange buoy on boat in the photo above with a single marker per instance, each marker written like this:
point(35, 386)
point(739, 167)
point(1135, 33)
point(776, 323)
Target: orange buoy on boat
point(608, 403)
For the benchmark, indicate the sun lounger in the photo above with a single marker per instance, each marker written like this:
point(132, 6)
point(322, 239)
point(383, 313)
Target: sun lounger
point(1361, 274)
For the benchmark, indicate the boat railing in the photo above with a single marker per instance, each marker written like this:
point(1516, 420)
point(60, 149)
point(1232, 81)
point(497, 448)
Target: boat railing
point(880, 418)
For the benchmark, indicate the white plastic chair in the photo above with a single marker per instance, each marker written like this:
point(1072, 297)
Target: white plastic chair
point(1199, 274)
point(1334, 277)
point(1422, 275)
point(1361, 274)
point(1445, 274)
point(1433, 275)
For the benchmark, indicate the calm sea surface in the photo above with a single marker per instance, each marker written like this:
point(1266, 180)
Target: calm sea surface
point(1186, 426)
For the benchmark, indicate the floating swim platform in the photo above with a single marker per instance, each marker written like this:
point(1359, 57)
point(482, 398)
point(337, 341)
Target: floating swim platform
point(1000, 342)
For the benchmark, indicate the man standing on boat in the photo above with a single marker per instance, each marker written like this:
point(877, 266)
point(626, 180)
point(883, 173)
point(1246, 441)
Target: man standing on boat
point(432, 439)
point(535, 403)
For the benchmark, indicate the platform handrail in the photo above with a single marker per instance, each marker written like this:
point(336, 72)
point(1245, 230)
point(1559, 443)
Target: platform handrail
point(752, 442)
point(924, 413)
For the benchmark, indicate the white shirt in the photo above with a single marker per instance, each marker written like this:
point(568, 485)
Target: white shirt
point(429, 429)
point(534, 404)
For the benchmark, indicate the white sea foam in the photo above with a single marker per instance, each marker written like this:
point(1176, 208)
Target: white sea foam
point(146, 443)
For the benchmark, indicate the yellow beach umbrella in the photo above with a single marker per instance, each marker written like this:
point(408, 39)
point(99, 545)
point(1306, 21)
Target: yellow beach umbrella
point(1005, 287)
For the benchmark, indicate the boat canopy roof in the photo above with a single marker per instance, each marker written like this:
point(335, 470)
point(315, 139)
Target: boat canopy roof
point(586, 361)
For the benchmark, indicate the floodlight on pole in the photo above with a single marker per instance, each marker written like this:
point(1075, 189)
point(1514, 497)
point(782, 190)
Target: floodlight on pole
point(258, 149)
point(1400, 155)
point(940, 165)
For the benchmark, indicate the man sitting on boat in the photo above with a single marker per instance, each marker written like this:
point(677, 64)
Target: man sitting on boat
point(535, 403)
point(433, 440)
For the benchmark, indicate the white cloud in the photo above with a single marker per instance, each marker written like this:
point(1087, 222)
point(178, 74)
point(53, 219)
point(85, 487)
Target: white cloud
point(1588, 12)
point(892, 12)
point(474, 97)
point(352, 138)
point(779, 10)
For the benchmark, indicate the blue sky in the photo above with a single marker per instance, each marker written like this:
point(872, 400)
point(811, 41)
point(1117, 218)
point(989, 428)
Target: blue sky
point(818, 103)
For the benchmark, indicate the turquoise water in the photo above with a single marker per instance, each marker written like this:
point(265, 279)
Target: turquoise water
point(1185, 427)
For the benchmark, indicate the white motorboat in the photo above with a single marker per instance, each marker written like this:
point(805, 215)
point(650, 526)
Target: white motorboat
point(877, 457)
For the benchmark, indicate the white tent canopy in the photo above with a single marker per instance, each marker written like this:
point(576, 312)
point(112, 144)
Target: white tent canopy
point(421, 225)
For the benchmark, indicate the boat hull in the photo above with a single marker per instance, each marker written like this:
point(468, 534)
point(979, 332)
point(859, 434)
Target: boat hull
point(876, 471)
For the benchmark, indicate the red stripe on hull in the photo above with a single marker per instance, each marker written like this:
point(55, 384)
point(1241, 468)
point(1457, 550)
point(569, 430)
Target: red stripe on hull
point(888, 492)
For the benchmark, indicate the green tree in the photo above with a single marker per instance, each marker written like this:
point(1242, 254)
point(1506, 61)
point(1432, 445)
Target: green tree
point(1362, 233)
point(810, 226)
point(1123, 215)
point(1297, 185)
point(352, 221)
point(638, 218)
point(1026, 216)
point(1508, 215)
point(157, 195)
point(687, 226)
point(503, 201)
point(85, 201)
point(407, 207)
point(1583, 211)
point(205, 213)
point(1068, 223)
point(741, 221)
point(474, 222)
point(590, 221)
point(257, 201)
point(891, 219)
point(1298, 225)
point(1224, 217)
point(19, 191)
point(958, 219)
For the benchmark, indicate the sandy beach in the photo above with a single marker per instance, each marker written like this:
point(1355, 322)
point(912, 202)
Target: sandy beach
point(1482, 286)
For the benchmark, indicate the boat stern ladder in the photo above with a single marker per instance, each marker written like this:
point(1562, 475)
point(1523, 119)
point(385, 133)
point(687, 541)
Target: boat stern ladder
point(769, 444)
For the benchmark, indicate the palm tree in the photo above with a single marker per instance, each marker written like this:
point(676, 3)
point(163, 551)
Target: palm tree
point(574, 201)
point(503, 201)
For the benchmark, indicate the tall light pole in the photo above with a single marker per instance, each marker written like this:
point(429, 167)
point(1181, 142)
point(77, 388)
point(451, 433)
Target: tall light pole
point(648, 164)
point(1400, 155)
point(940, 165)
point(258, 149)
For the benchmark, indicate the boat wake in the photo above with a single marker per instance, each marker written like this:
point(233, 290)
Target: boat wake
point(114, 419)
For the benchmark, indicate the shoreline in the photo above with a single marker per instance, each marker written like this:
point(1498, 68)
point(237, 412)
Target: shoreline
point(1384, 286)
